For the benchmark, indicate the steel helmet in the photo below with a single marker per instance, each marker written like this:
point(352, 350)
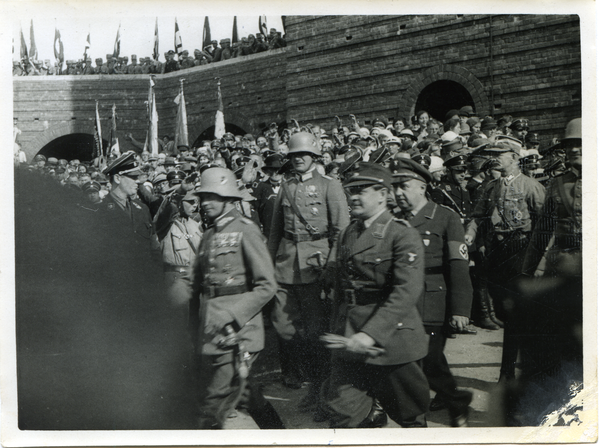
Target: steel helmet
point(304, 142)
point(219, 181)
point(573, 129)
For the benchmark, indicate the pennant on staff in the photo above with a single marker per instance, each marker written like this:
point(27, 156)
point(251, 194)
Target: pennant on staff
point(219, 117)
point(117, 49)
point(88, 45)
point(59, 53)
point(33, 52)
point(234, 33)
point(152, 119)
point(181, 131)
point(23, 47)
point(155, 53)
point(178, 44)
point(262, 25)
point(114, 140)
point(98, 153)
point(206, 39)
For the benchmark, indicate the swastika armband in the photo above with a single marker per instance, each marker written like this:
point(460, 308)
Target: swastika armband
point(457, 251)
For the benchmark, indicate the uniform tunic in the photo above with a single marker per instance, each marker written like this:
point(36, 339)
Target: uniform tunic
point(233, 280)
point(322, 202)
point(448, 292)
point(179, 249)
point(454, 197)
point(379, 284)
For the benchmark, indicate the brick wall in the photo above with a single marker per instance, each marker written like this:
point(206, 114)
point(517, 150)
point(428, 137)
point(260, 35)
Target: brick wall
point(370, 66)
point(253, 89)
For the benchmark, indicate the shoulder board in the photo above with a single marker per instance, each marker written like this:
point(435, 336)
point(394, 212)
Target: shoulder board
point(402, 221)
point(246, 220)
point(325, 176)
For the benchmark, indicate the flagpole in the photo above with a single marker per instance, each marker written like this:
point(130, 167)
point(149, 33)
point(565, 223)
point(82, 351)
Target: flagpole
point(219, 116)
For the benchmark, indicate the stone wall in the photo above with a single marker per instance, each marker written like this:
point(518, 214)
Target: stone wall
point(523, 65)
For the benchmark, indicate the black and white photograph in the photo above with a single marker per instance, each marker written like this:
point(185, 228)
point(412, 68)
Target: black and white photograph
point(237, 223)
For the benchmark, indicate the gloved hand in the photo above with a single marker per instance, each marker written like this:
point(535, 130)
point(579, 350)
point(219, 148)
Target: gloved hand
point(359, 343)
point(216, 321)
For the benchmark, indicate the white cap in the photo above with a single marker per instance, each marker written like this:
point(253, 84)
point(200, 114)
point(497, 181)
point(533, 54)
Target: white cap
point(449, 136)
point(437, 164)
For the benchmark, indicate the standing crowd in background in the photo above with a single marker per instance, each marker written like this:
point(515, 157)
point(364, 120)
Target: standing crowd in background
point(120, 65)
point(365, 246)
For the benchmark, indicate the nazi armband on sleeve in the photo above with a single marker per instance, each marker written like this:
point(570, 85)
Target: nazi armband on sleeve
point(458, 251)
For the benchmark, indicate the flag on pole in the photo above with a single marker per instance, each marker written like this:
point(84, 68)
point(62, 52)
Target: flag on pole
point(234, 33)
point(178, 44)
point(181, 131)
point(219, 118)
point(59, 53)
point(88, 45)
point(33, 52)
point(206, 39)
point(23, 47)
point(262, 25)
point(117, 49)
point(114, 140)
point(152, 119)
point(155, 53)
point(98, 151)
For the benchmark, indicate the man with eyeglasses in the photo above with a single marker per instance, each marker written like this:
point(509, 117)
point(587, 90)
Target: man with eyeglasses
point(378, 336)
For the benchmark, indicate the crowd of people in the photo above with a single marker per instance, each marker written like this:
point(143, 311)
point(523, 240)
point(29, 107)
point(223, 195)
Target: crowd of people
point(385, 239)
point(114, 65)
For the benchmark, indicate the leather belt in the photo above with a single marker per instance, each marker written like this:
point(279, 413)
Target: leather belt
point(299, 238)
point(433, 270)
point(173, 268)
point(364, 296)
point(218, 291)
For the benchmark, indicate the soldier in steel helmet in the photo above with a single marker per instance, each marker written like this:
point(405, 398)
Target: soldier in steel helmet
point(231, 285)
point(309, 212)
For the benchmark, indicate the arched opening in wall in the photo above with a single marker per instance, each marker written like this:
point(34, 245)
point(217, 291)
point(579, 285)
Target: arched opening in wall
point(209, 133)
point(72, 146)
point(441, 96)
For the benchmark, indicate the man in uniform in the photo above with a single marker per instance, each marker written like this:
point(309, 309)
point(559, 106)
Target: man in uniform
point(231, 284)
point(379, 282)
point(309, 212)
point(266, 192)
point(448, 291)
point(123, 173)
point(452, 190)
point(510, 205)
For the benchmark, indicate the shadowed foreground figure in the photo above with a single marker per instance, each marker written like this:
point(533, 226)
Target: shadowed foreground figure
point(98, 346)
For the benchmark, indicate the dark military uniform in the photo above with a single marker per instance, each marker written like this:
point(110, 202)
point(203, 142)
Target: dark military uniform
point(133, 213)
point(448, 292)
point(378, 286)
point(265, 194)
point(453, 196)
point(300, 253)
point(232, 283)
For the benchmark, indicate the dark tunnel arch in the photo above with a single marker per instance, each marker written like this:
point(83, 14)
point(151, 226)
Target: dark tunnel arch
point(441, 96)
point(72, 146)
